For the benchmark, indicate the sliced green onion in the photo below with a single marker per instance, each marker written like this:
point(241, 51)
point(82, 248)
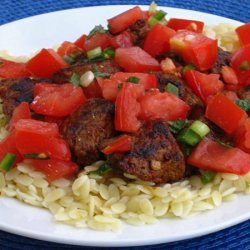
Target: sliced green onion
point(133, 79)
point(94, 53)
point(225, 145)
point(120, 85)
point(68, 59)
point(152, 8)
point(171, 88)
point(39, 156)
point(188, 67)
point(200, 128)
point(207, 176)
point(243, 104)
point(96, 29)
point(152, 21)
point(189, 137)
point(101, 74)
point(159, 15)
point(176, 126)
point(75, 79)
point(7, 161)
point(103, 169)
point(244, 66)
point(109, 53)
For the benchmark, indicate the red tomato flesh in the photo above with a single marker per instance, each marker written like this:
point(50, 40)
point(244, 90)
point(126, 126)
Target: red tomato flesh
point(110, 89)
point(230, 77)
point(210, 155)
point(224, 113)
point(182, 24)
point(124, 20)
point(157, 40)
point(195, 48)
point(98, 40)
point(53, 169)
point(156, 105)
point(123, 40)
point(80, 41)
point(242, 136)
point(57, 100)
point(93, 90)
point(135, 59)
point(243, 33)
point(68, 48)
point(45, 63)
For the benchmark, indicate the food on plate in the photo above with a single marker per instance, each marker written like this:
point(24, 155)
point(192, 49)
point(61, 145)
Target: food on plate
point(144, 120)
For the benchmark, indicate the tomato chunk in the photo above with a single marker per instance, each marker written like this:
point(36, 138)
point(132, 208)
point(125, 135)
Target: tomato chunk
point(93, 90)
point(53, 169)
point(185, 24)
point(210, 155)
point(68, 48)
point(45, 63)
point(128, 108)
point(135, 59)
point(124, 20)
point(123, 40)
point(10, 69)
point(120, 144)
point(242, 136)
point(157, 40)
point(230, 77)
point(243, 33)
point(156, 105)
point(80, 41)
point(110, 89)
point(98, 40)
point(202, 84)
point(224, 113)
point(57, 100)
point(195, 48)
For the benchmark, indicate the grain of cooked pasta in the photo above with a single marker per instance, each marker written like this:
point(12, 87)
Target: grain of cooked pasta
point(101, 203)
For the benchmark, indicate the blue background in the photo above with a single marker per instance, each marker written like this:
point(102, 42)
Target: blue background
point(237, 237)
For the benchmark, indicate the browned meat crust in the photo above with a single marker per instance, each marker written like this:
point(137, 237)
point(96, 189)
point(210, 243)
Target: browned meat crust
point(155, 155)
point(222, 60)
point(107, 66)
point(139, 31)
point(85, 129)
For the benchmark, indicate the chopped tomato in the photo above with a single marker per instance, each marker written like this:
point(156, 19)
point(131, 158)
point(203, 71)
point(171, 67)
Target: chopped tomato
point(230, 77)
point(124, 20)
point(210, 155)
point(68, 48)
point(135, 59)
point(157, 40)
point(224, 113)
point(10, 69)
point(156, 105)
point(97, 40)
point(81, 41)
point(203, 85)
point(110, 89)
point(120, 144)
point(93, 90)
point(51, 119)
point(53, 169)
point(185, 24)
point(57, 100)
point(123, 40)
point(168, 66)
point(231, 95)
point(21, 112)
point(240, 62)
point(243, 33)
point(195, 48)
point(45, 63)
point(128, 108)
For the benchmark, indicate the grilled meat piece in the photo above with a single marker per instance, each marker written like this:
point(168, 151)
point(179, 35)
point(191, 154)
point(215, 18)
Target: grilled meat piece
point(139, 31)
point(222, 60)
point(64, 75)
point(85, 129)
point(185, 93)
point(155, 155)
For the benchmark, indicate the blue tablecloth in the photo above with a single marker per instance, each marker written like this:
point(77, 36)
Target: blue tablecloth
point(237, 237)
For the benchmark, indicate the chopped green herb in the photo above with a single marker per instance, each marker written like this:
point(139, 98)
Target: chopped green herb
point(68, 59)
point(100, 74)
point(103, 169)
point(171, 88)
point(207, 176)
point(243, 104)
point(244, 66)
point(120, 85)
point(226, 145)
point(109, 53)
point(176, 126)
point(133, 79)
point(188, 67)
point(96, 29)
point(75, 79)
point(156, 18)
point(39, 156)
point(187, 150)
point(94, 53)
point(7, 161)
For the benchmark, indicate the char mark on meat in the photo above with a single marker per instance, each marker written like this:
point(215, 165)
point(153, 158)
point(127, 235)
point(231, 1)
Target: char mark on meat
point(139, 31)
point(223, 59)
point(155, 156)
point(107, 66)
point(85, 129)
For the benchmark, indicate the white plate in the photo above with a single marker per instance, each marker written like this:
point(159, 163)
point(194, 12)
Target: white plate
point(27, 36)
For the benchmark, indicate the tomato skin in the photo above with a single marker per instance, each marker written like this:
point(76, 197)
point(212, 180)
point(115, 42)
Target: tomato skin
point(98, 40)
point(240, 56)
point(135, 59)
point(93, 90)
point(68, 48)
point(128, 108)
point(80, 41)
point(120, 144)
point(57, 100)
point(203, 85)
point(53, 169)
point(110, 89)
point(57, 120)
point(181, 24)
point(45, 63)
point(21, 112)
point(243, 33)
point(10, 69)
point(157, 40)
point(124, 20)
point(156, 105)
point(123, 40)
point(210, 155)
point(195, 48)
point(224, 113)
